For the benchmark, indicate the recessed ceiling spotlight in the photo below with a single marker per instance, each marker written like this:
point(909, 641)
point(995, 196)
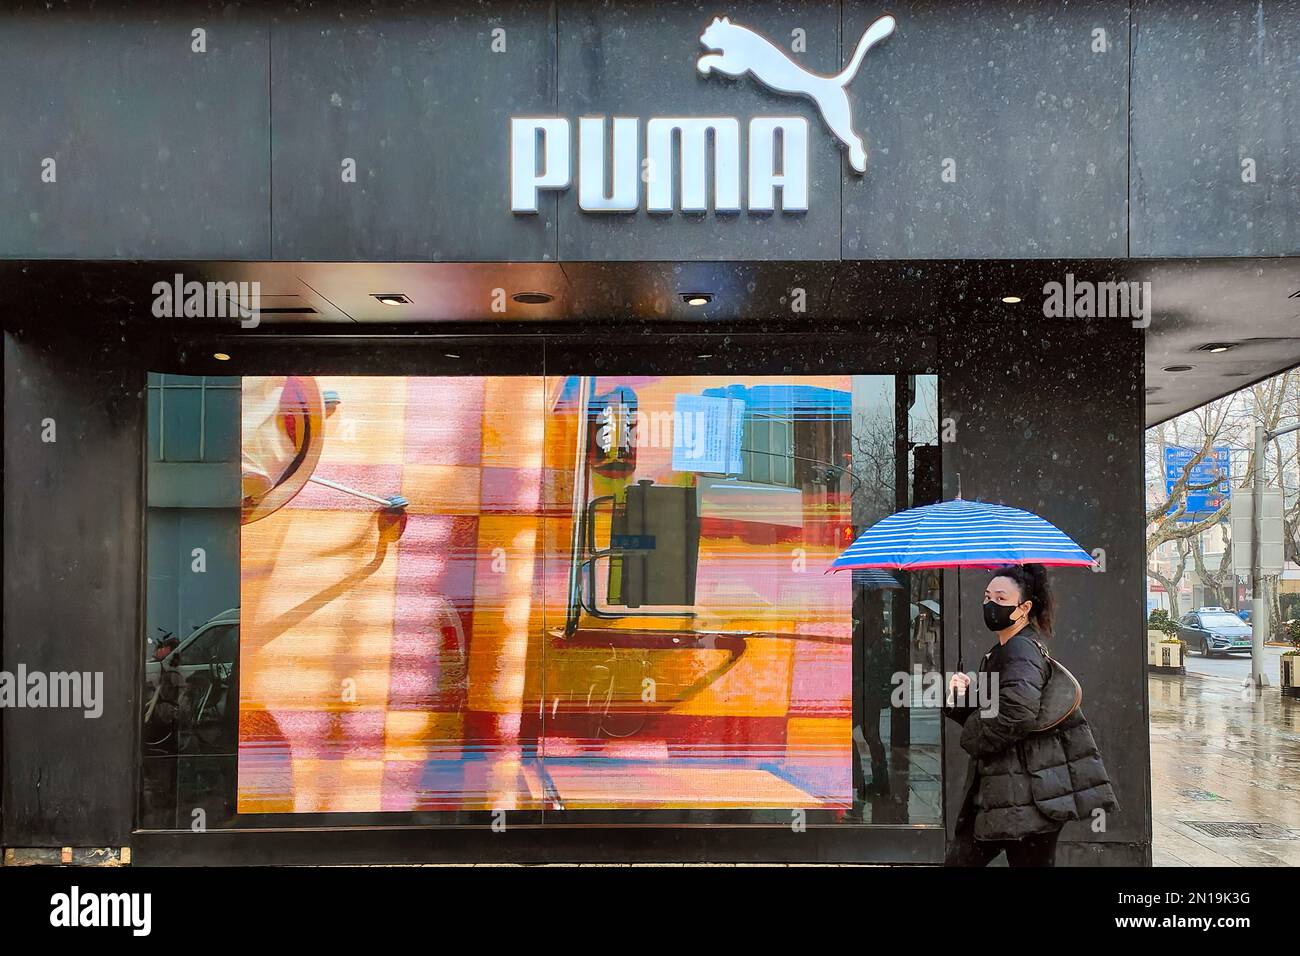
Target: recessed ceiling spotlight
point(1217, 347)
point(1011, 299)
point(221, 356)
point(391, 298)
point(451, 355)
point(697, 298)
point(1178, 368)
point(705, 355)
point(532, 298)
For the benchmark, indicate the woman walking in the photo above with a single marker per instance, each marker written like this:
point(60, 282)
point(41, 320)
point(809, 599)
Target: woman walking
point(1023, 786)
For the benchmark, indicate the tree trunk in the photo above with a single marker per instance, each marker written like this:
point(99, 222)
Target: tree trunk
point(1272, 591)
point(1171, 588)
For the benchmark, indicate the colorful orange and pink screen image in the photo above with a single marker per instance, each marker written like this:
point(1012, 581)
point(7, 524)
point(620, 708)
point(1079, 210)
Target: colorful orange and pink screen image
point(594, 593)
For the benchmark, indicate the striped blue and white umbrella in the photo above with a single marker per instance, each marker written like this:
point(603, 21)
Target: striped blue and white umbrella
point(957, 534)
point(961, 534)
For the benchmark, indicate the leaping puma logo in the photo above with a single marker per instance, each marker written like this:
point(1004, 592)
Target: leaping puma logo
point(741, 50)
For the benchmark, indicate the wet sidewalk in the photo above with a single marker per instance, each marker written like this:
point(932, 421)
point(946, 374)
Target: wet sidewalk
point(1225, 773)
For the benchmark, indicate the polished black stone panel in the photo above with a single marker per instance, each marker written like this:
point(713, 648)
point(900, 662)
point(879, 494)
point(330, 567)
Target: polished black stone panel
point(1049, 419)
point(236, 152)
point(158, 150)
point(419, 95)
point(73, 516)
point(1216, 101)
point(1033, 121)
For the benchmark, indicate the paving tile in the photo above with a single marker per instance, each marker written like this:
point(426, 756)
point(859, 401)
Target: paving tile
point(1220, 754)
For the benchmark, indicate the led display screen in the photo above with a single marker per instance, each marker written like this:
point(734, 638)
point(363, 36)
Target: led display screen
point(556, 593)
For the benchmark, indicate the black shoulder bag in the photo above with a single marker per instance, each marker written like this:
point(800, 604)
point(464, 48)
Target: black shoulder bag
point(1062, 694)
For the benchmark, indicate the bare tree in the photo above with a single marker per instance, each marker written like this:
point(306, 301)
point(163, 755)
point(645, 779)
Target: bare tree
point(1170, 582)
point(1202, 430)
point(1227, 422)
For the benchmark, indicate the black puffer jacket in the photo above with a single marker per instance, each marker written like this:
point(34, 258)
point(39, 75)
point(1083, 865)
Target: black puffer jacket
point(1028, 782)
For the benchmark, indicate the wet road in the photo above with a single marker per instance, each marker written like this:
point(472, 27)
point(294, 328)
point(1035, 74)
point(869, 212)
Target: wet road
point(1236, 665)
point(1223, 754)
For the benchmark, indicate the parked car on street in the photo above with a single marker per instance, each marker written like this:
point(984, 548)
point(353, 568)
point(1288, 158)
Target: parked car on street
point(1213, 631)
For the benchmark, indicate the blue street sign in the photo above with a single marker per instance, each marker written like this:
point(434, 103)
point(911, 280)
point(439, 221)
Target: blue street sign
point(1201, 503)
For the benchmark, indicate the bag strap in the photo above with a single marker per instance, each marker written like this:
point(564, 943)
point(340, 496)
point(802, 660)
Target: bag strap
point(1052, 666)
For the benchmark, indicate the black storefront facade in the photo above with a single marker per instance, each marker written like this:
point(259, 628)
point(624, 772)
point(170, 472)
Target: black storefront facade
point(560, 204)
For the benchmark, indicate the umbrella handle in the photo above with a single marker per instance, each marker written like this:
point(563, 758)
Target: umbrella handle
point(960, 664)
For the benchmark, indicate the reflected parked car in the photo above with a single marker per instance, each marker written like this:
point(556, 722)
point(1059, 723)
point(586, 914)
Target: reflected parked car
point(1214, 630)
point(215, 639)
point(190, 696)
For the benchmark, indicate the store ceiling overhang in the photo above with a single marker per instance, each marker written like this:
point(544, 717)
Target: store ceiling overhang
point(1252, 305)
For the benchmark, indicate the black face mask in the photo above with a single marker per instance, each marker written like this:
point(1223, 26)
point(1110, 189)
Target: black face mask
point(997, 617)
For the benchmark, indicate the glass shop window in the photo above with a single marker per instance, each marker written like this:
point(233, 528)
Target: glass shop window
point(381, 599)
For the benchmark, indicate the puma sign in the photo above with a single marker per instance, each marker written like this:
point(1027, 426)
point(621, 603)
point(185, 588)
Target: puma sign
point(741, 51)
point(675, 157)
